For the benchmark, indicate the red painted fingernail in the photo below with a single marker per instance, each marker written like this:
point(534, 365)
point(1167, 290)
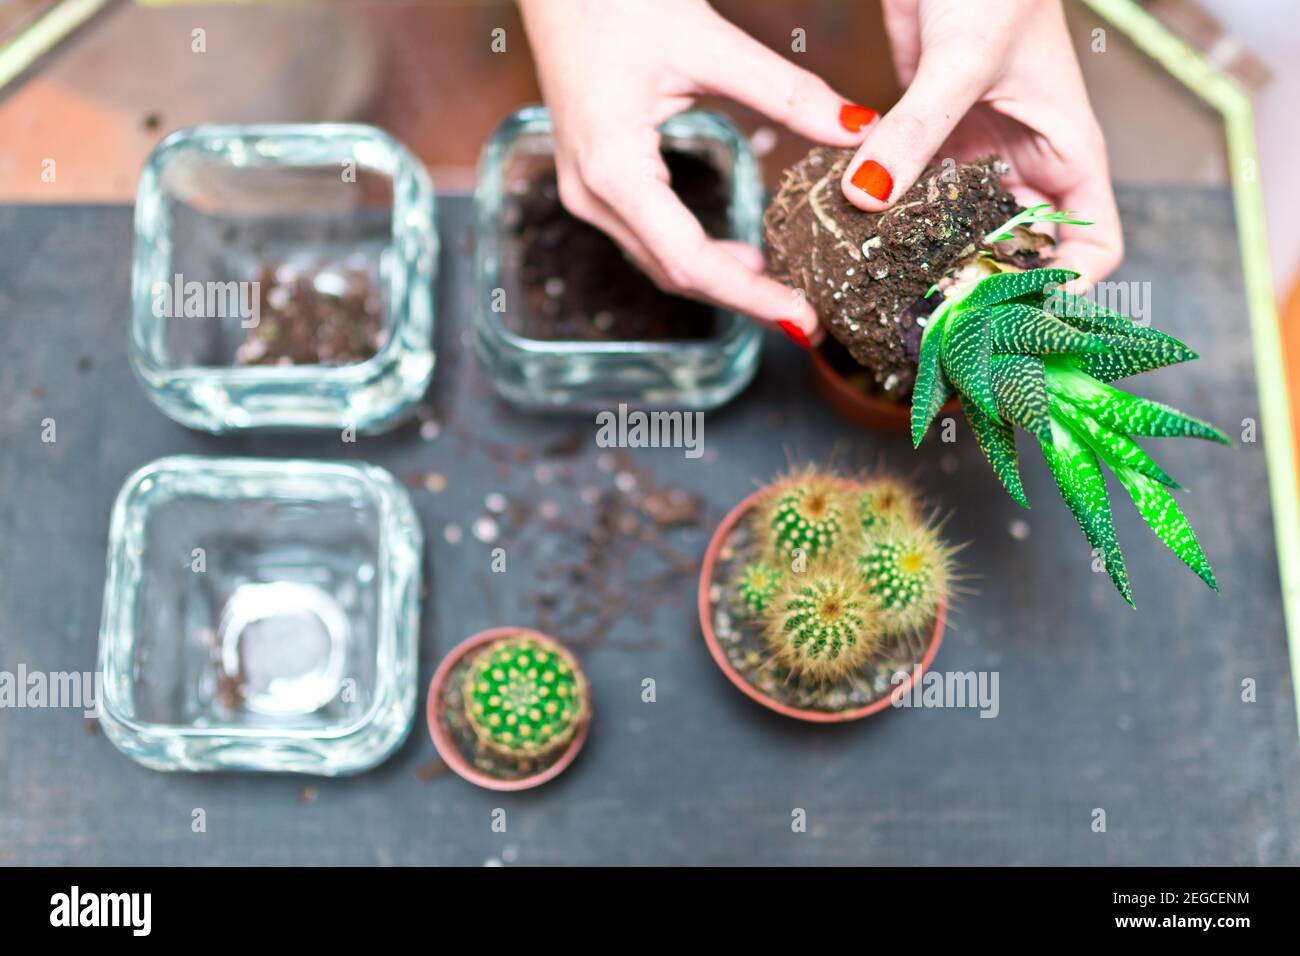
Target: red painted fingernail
point(853, 117)
point(874, 180)
point(795, 334)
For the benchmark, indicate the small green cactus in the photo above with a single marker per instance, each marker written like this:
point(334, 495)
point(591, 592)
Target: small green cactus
point(824, 623)
point(807, 513)
point(907, 568)
point(758, 584)
point(885, 501)
point(524, 698)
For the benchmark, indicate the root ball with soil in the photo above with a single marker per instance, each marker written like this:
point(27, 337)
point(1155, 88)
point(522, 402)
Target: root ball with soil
point(867, 274)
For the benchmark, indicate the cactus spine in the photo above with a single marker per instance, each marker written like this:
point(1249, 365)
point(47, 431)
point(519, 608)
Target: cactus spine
point(884, 501)
point(824, 623)
point(759, 583)
point(807, 515)
point(907, 569)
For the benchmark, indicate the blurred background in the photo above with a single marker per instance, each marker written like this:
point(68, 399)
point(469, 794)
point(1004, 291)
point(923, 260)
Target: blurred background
point(95, 84)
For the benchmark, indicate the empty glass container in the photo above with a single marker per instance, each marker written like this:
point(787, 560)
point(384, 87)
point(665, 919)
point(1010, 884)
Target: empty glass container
point(260, 615)
point(545, 373)
point(283, 277)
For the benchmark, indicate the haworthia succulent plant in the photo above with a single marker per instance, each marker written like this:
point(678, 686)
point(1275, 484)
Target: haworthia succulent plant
point(1019, 351)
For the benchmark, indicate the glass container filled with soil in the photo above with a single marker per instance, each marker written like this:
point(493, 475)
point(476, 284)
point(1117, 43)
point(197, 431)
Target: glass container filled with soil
point(564, 321)
point(260, 615)
point(283, 277)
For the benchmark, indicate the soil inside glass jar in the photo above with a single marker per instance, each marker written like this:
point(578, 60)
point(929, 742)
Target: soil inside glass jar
point(319, 315)
point(576, 282)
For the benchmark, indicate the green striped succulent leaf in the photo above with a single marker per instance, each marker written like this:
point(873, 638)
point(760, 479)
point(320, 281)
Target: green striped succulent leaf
point(1088, 316)
point(932, 387)
point(1083, 487)
point(967, 354)
point(1115, 449)
point(1021, 391)
point(1122, 362)
point(1005, 286)
point(998, 442)
point(1161, 513)
point(1126, 413)
point(1029, 330)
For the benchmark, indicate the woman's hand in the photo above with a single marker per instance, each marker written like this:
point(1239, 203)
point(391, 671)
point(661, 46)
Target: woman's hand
point(999, 78)
point(611, 72)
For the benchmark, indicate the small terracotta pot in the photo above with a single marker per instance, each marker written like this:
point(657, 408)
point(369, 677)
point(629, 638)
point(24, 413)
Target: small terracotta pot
point(441, 734)
point(859, 407)
point(749, 690)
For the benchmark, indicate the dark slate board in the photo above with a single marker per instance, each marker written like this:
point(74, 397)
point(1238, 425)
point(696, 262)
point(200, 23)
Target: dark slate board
point(1138, 713)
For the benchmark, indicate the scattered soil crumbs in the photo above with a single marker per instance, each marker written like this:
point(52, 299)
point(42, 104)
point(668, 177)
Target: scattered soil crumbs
point(599, 538)
point(577, 284)
point(482, 758)
point(742, 639)
point(328, 315)
point(588, 582)
point(866, 274)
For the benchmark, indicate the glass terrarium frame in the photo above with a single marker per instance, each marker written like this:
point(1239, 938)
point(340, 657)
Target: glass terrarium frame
point(698, 374)
point(371, 395)
point(329, 749)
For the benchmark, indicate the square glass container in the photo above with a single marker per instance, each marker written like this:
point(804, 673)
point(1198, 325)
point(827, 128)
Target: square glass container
point(229, 216)
point(260, 615)
point(697, 374)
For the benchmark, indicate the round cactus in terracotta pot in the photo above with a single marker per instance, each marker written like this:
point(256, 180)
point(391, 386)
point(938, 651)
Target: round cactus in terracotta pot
point(509, 708)
point(822, 597)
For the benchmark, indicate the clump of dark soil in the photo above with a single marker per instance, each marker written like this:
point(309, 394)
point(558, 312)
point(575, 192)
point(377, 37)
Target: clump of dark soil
point(577, 284)
point(866, 274)
point(329, 315)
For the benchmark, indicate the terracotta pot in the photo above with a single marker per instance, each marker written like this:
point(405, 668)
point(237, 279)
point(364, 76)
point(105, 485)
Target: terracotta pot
point(441, 734)
point(859, 407)
point(749, 690)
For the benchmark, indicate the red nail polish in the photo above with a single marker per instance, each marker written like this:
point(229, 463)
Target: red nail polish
point(874, 180)
point(795, 334)
point(854, 118)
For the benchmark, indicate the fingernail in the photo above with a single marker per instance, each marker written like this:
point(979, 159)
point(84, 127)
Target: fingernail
point(853, 117)
point(795, 334)
point(874, 180)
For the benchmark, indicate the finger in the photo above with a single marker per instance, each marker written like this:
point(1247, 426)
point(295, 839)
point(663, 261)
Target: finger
point(599, 214)
point(750, 258)
point(582, 203)
point(739, 67)
point(702, 268)
point(1092, 251)
point(634, 186)
point(903, 27)
point(902, 144)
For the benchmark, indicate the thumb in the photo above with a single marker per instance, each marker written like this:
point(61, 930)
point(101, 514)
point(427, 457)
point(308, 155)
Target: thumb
point(901, 145)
